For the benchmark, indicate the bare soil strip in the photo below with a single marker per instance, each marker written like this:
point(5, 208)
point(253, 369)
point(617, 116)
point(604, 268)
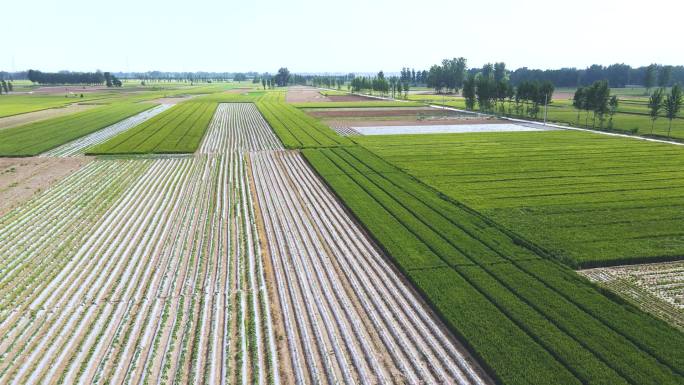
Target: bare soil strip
point(378, 112)
point(657, 288)
point(31, 117)
point(22, 178)
point(302, 94)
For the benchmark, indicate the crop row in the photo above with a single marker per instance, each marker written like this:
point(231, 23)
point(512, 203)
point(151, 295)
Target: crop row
point(655, 288)
point(35, 138)
point(323, 264)
point(296, 129)
point(178, 130)
point(589, 199)
point(238, 127)
point(79, 146)
point(530, 320)
point(147, 271)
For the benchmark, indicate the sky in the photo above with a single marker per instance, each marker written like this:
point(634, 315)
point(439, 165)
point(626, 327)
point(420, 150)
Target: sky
point(335, 36)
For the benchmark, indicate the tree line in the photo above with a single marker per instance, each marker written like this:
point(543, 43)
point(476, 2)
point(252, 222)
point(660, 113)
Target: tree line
point(392, 86)
point(66, 77)
point(491, 89)
point(6, 86)
point(596, 98)
point(618, 75)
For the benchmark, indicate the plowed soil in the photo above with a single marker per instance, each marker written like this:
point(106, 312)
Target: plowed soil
point(21, 178)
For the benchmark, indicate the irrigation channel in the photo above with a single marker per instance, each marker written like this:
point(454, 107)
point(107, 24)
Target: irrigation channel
point(234, 265)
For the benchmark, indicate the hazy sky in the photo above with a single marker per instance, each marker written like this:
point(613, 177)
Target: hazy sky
point(320, 36)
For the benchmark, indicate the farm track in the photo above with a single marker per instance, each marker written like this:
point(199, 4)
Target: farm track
point(349, 317)
point(79, 146)
point(155, 270)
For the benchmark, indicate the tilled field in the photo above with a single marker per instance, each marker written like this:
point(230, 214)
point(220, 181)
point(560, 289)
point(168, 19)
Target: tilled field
point(164, 287)
point(159, 270)
point(348, 316)
point(657, 288)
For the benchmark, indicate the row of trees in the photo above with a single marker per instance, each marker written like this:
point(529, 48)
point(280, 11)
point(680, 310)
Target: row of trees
point(282, 78)
point(618, 75)
point(491, 94)
point(6, 86)
point(267, 83)
point(595, 98)
point(393, 85)
point(188, 77)
point(65, 77)
point(111, 80)
point(447, 77)
point(660, 102)
point(413, 77)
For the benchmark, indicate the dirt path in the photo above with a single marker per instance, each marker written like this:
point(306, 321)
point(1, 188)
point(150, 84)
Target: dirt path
point(30, 117)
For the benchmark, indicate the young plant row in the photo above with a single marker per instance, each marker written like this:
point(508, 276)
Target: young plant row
point(238, 127)
point(530, 320)
point(79, 146)
point(177, 130)
point(296, 129)
point(589, 199)
point(324, 264)
point(135, 280)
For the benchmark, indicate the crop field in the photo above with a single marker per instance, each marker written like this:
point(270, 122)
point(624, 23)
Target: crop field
point(236, 238)
point(588, 199)
point(370, 326)
point(172, 269)
point(296, 129)
point(529, 319)
point(632, 115)
point(177, 130)
point(245, 130)
point(176, 293)
point(657, 288)
point(21, 178)
point(21, 103)
point(346, 121)
point(35, 138)
point(78, 147)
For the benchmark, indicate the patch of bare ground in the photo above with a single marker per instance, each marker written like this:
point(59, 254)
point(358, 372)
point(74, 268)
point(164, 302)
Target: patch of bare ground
point(301, 94)
point(372, 112)
point(30, 117)
point(21, 178)
point(350, 98)
point(342, 123)
point(562, 95)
